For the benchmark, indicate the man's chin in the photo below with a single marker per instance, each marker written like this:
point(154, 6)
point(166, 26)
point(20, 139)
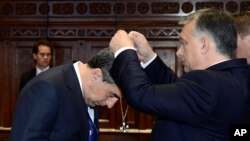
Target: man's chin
point(186, 69)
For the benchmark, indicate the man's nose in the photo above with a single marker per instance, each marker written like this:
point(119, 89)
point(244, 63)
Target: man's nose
point(111, 103)
point(46, 56)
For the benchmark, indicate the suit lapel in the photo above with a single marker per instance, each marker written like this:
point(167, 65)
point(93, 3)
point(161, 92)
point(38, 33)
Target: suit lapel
point(31, 74)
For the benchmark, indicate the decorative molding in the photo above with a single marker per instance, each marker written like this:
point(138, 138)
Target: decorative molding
point(86, 33)
point(44, 8)
point(232, 6)
point(63, 8)
point(187, 7)
point(138, 131)
point(100, 8)
point(82, 19)
point(245, 6)
point(214, 5)
point(165, 8)
point(81, 8)
point(123, 8)
point(25, 32)
point(25, 9)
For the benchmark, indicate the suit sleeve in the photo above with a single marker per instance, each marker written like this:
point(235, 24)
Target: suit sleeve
point(184, 101)
point(159, 73)
point(35, 113)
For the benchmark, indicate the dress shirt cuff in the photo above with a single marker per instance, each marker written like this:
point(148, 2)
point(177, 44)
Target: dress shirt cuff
point(122, 49)
point(144, 65)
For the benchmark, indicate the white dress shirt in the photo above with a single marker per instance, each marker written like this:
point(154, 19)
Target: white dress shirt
point(76, 67)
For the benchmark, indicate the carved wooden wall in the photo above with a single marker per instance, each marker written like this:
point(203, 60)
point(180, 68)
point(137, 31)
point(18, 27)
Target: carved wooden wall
point(78, 29)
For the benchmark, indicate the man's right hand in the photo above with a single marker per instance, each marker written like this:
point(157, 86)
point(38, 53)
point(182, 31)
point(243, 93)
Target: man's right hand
point(144, 50)
point(120, 40)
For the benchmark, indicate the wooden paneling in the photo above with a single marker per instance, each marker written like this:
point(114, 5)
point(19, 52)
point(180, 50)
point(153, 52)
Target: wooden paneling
point(167, 52)
point(2, 95)
point(79, 29)
point(8, 82)
point(65, 52)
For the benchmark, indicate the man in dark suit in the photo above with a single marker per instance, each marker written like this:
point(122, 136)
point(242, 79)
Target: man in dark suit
point(203, 103)
point(58, 105)
point(242, 21)
point(42, 51)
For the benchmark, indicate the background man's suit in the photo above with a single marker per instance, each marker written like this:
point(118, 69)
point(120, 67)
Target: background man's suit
point(201, 104)
point(27, 76)
point(59, 112)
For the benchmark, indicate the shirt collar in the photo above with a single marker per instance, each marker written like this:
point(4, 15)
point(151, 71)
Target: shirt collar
point(38, 70)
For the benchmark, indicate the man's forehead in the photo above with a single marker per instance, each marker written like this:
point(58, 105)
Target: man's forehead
point(43, 47)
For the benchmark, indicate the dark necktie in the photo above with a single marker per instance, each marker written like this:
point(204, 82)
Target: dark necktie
point(93, 132)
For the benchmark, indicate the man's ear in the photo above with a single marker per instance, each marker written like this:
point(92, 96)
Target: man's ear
point(97, 73)
point(205, 42)
point(34, 56)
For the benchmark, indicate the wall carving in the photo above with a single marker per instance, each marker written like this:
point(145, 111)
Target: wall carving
point(25, 9)
point(165, 7)
point(110, 13)
point(232, 6)
point(81, 33)
point(215, 5)
point(245, 6)
point(115, 7)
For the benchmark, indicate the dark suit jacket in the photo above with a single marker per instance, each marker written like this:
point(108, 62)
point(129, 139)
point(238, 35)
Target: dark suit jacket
point(51, 107)
point(248, 104)
point(199, 106)
point(25, 77)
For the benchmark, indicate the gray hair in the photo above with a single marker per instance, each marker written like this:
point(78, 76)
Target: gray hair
point(103, 60)
point(216, 24)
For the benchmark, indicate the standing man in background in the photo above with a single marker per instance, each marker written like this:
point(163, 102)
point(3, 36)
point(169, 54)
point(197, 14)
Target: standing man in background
point(243, 31)
point(203, 103)
point(42, 52)
point(242, 21)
